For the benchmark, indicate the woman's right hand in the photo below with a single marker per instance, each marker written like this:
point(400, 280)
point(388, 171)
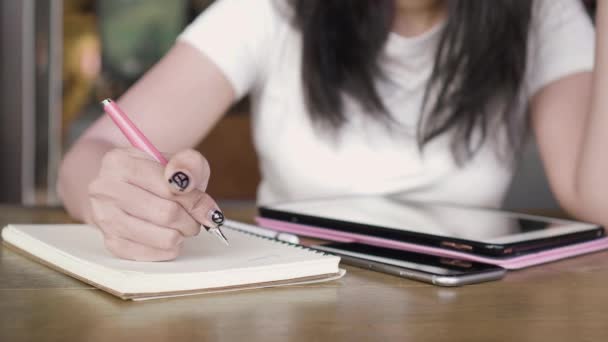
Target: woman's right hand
point(146, 210)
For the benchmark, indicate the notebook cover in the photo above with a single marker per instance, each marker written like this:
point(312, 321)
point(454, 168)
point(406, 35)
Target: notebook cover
point(513, 263)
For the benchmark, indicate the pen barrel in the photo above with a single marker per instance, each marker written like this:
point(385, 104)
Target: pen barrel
point(131, 132)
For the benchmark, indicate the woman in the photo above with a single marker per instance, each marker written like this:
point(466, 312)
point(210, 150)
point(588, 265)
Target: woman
point(428, 99)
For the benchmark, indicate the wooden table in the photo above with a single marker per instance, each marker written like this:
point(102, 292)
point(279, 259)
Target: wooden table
point(563, 301)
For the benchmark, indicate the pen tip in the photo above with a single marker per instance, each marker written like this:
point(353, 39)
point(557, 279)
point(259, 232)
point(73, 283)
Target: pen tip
point(106, 101)
point(218, 233)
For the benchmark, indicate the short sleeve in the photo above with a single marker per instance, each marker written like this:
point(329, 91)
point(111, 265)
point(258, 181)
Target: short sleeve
point(562, 42)
point(234, 34)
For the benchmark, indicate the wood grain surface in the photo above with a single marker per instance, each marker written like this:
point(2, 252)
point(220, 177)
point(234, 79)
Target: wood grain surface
point(562, 301)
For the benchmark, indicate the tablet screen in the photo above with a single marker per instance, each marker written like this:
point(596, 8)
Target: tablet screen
point(473, 224)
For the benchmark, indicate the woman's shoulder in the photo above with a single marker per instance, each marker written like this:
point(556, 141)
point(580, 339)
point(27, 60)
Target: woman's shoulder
point(255, 23)
point(240, 36)
point(556, 11)
point(561, 42)
point(244, 13)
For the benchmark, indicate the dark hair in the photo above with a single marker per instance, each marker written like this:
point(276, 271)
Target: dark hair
point(480, 62)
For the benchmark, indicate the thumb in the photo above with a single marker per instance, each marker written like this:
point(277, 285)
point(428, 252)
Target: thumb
point(187, 170)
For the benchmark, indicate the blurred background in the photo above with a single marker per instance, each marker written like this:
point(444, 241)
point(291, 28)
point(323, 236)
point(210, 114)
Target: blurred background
point(59, 58)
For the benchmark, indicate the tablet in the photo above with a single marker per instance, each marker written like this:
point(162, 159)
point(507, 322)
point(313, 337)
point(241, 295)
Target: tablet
point(473, 230)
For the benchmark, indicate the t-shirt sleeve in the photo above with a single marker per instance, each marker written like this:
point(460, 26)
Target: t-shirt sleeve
point(234, 34)
point(562, 42)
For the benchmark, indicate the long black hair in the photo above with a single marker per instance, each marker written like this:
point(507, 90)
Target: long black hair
point(479, 63)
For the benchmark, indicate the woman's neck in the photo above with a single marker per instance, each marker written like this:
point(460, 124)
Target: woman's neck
point(414, 17)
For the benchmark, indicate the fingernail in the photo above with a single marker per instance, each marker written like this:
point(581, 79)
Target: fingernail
point(180, 181)
point(216, 217)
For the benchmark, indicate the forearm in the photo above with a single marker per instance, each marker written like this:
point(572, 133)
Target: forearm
point(175, 103)
point(78, 169)
point(591, 183)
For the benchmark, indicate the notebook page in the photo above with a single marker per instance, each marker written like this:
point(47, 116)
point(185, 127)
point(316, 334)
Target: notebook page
point(202, 253)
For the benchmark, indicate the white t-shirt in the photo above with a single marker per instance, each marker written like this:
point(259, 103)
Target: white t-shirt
point(258, 50)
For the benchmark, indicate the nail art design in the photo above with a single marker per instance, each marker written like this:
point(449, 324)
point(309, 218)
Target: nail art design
point(217, 217)
point(180, 180)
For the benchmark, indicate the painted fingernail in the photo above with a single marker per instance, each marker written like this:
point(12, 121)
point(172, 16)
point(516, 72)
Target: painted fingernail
point(217, 217)
point(180, 181)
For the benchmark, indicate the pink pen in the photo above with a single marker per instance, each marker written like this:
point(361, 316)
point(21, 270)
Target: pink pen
point(139, 140)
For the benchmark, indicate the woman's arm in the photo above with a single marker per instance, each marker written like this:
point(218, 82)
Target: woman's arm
point(570, 120)
point(175, 104)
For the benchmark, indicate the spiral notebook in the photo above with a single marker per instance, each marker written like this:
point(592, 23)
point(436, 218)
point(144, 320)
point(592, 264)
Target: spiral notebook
point(204, 266)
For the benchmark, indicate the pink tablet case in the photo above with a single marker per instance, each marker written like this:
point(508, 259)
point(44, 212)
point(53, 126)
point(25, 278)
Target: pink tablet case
point(514, 263)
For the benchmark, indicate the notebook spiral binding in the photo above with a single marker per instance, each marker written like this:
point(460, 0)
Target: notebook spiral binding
point(227, 225)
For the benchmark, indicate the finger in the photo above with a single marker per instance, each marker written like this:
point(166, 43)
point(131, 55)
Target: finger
point(114, 221)
point(202, 208)
point(134, 153)
point(130, 250)
point(187, 170)
point(129, 167)
point(144, 174)
point(146, 233)
point(147, 206)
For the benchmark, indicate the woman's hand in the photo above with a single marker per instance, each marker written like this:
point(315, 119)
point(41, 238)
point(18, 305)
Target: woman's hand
point(146, 210)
